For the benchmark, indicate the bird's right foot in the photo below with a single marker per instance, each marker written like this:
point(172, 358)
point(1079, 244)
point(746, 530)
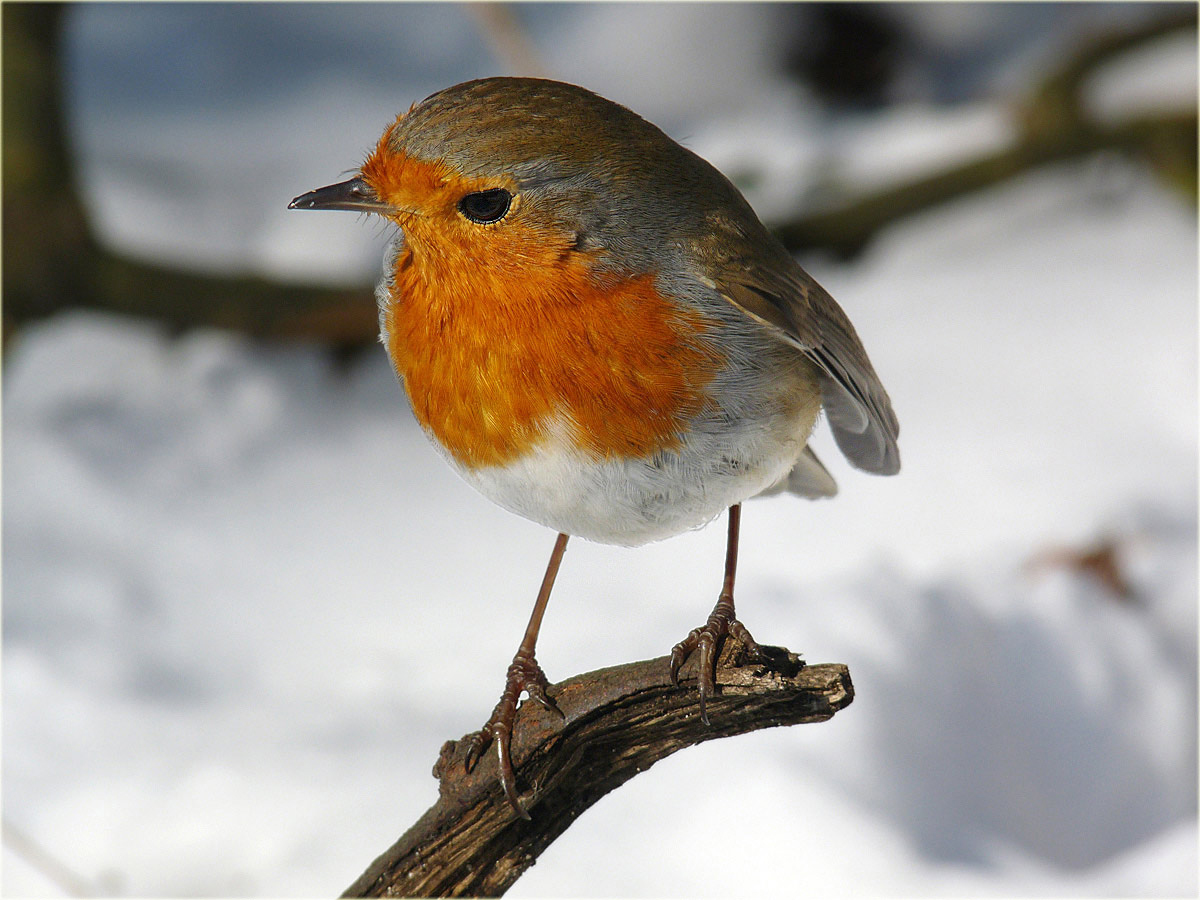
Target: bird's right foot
point(524, 675)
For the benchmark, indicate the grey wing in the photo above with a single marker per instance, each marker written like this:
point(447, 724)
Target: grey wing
point(786, 298)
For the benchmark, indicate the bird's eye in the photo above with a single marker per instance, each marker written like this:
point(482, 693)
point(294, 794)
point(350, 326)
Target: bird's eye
point(485, 207)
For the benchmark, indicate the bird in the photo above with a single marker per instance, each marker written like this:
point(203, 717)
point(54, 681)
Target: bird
point(597, 332)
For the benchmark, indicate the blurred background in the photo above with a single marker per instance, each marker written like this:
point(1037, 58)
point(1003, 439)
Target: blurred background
point(244, 602)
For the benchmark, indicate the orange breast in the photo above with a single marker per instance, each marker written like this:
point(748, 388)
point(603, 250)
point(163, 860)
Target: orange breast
point(499, 339)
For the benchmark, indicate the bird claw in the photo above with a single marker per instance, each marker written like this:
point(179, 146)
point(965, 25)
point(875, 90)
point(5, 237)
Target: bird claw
point(524, 675)
point(537, 691)
point(708, 640)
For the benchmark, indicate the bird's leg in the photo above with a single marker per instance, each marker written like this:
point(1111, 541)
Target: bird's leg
point(523, 675)
point(709, 638)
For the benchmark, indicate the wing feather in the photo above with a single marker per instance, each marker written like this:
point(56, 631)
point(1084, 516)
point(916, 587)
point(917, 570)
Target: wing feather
point(781, 295)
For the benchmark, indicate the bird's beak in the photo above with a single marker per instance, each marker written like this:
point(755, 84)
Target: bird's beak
point(353, 195)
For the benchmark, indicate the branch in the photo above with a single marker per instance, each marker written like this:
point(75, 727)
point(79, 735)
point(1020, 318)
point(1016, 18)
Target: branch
point(1053, 127)
point(619, 722)
point(53, 260)
point(847, 229)
point(508, 38)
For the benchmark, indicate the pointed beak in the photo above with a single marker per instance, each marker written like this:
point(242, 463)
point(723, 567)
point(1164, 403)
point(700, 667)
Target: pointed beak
point(354, 195)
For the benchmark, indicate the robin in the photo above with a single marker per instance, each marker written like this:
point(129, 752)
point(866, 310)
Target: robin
point(596, 331)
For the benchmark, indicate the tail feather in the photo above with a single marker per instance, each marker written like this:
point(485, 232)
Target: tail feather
point(808, 478)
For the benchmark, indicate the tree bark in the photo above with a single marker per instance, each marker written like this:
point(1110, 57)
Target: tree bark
point(618, 722)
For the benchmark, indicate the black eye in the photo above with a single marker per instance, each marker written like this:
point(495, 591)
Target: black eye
point(485, 207)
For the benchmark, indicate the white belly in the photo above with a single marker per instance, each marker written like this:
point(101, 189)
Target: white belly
point(632, 502)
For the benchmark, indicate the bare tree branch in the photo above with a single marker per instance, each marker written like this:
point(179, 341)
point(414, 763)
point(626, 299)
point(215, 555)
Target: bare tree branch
point(46, 862)
point(1053, 127)
point(619, 722)
point(508, 38)
point(53, 261)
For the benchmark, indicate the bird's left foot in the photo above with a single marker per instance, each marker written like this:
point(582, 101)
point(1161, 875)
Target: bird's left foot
point(708, 640)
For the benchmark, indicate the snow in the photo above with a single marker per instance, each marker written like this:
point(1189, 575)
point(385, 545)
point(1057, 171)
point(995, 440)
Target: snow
point(1153, 80)
point(245, 601)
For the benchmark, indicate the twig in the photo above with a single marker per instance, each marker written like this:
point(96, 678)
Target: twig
point(41, 859)
point(619, 722)
point(508, 39)
point(847, 229)
point(1053, 127)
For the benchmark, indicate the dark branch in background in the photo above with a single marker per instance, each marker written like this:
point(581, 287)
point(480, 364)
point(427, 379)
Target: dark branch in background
point(51, 259)
point(1053, 127)
point(1169, 140)
point(619, 722)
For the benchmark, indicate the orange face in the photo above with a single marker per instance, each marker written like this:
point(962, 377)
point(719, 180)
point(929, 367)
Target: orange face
point(503, 331)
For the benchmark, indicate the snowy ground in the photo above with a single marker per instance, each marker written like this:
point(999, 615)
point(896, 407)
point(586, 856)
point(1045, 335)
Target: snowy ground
point(213, 551)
